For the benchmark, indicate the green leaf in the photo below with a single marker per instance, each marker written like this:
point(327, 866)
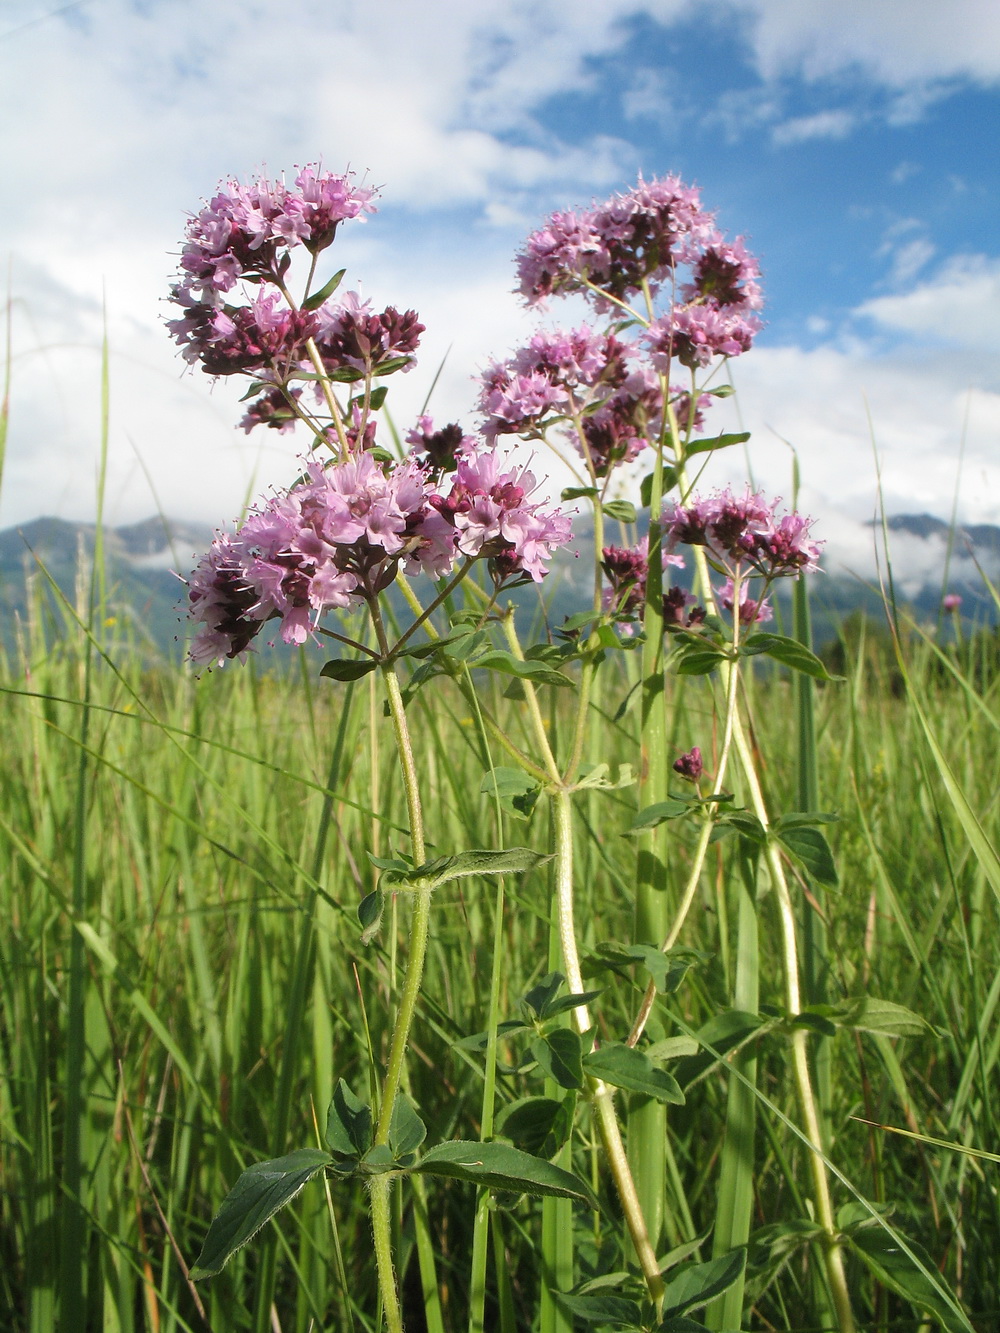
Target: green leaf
point(681, 1324)
point(258, 1194)
point(882, 1017)
point(342, 375)
point(625, 1067)
point(615, 1310)
point(370, 910)
point(622, 510)
point(696, 661)
point(537, 1125)
point(810, 847)
point(657, 814)
point(882, 1254)
point(515, 790)
point(406, 1130)
point(666, 969)
point(579, 493)
point(510, 665)
point(697, 1284)
point(717, 442)
point(572, 1001)
point(789, 652)
point(509, 861)
point(343, 668)
point(722, 1032)
point(401, 862)
point(746, 824)
point(378, 1160)
point(542, 993)
point(392, 365)
point(560, 1056)
point(325, 292)
point(598, 775)
point(804, 819)
point(773, 1246)
point(257, 387)
point(348, 1123)
point(464, 646)
point(499, 1166)
point(668, 482)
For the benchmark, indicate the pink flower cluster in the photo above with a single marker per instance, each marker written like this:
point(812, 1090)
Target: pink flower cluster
point(651, 235)
point(245, 235)
point(339, 536)
point(626, 569)
point(243, 228)
point(744, 531)
point(641, 235)
point(557, 368)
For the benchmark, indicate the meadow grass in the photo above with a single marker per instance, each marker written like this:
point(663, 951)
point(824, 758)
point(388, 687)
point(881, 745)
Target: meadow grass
point(182, 983)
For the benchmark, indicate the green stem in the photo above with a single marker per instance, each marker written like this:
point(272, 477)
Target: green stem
point(380, 1186)
point(607, 1120)
point(492, 726)
point(380, 1197)
point(420, 921)
point(832, 1249)
point(423, 615)
point(531, 698)
point(481, 1225)
point(647, 1120)
point(701, 848)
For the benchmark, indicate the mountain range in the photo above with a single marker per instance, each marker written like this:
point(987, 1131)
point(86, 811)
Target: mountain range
point(144, 593)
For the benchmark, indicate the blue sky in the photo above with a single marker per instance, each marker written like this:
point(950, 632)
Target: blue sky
point(854, 144)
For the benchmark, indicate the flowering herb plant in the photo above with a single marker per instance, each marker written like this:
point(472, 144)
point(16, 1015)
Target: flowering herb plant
point(671, 300)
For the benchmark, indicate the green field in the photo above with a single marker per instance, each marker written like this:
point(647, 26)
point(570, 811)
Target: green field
point(182, 983)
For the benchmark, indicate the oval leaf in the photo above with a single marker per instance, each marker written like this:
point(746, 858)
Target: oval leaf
point(810, 847)
point(618, 1311)
point(348, 1123)
point(344, 668)
point(622, 510)
point(406, 1130)
point(698, 1284)
point(657, 814)
point(511, 861)
point(789, 652)
point(510, 665)
point(258, 1194)
point(624, 1067)
point(498, 1166)
point(560, 1055)
point(537, 1125)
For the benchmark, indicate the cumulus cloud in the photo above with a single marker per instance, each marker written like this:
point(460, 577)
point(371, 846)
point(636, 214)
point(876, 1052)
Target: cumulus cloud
point(823, 125)
point(135, 110)
point(898, 42)
point(957, 306)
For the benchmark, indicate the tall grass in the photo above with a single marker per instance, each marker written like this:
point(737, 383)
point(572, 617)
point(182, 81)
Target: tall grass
point(180, 955)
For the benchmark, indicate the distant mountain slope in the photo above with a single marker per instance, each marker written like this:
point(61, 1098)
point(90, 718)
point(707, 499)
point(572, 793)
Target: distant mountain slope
point(145, 593)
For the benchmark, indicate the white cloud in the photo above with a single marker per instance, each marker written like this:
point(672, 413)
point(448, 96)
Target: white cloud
point(647, 97)
point(823, 125)
point(899, 175)
point(132, 112)
point(898, 42)
point(958, 305)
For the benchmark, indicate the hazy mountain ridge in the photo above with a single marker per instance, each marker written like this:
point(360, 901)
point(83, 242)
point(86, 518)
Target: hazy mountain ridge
point(144, 559)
